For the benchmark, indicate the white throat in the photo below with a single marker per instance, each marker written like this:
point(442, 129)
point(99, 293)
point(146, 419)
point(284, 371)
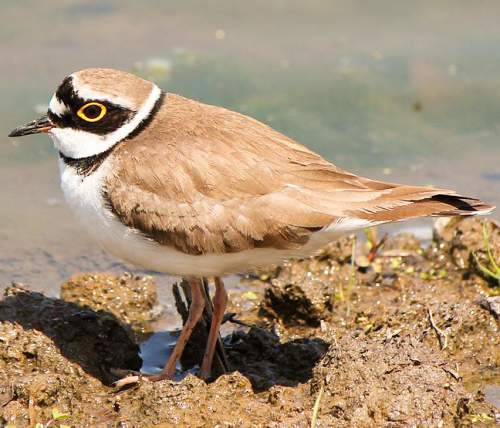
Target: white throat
point(79, 144)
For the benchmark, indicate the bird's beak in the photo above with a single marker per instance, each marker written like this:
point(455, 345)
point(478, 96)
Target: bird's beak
point(34, 127)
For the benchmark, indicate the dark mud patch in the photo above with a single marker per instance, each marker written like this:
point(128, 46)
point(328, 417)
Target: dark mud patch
point(409, 338)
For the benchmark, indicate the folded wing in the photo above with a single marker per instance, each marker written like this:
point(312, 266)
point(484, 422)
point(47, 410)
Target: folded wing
point(217, 181)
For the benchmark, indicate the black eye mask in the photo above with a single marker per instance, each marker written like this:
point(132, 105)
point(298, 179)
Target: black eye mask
point(115, 117)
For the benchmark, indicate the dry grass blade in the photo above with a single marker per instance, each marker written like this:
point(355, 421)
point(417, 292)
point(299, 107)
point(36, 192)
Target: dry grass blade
point(317, 404)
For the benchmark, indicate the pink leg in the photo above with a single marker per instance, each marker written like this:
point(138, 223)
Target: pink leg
point(195, 313)
point(220, 302)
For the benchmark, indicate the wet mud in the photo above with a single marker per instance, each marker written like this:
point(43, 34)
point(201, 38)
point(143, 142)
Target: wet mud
point(364, 334)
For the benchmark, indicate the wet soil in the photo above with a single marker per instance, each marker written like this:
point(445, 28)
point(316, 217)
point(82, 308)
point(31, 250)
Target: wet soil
point(404, 336)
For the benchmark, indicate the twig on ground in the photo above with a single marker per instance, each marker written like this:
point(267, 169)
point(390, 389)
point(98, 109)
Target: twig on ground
point(453, 373)
point(443, 339)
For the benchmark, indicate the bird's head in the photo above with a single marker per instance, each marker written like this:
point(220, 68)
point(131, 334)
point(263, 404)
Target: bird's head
point(94, 109)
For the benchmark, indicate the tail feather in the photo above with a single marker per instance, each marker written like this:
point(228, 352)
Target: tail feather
point(461, 205)
point(441, 204)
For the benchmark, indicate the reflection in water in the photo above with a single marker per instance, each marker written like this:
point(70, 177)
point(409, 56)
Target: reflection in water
point(155, 352)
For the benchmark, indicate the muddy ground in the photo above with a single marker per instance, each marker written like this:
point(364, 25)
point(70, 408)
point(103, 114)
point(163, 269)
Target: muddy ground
point(405, 335)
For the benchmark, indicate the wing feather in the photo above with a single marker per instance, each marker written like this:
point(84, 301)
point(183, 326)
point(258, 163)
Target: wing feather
point(207, 180)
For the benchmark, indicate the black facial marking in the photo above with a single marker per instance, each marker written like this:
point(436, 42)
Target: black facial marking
point(115, 116)
point(86, 166)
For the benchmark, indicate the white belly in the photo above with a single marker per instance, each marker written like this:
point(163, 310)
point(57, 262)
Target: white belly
point(83, 194)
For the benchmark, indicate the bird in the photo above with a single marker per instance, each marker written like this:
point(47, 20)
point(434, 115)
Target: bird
point(198, 191)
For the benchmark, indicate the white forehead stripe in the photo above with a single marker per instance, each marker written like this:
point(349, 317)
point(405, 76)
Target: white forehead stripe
point(77, 144)
point(57, 107)
point(84, 91)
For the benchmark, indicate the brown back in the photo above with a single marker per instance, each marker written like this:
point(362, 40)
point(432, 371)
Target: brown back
point(204, 179)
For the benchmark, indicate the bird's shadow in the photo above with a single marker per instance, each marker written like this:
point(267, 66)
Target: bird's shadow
point(95, 340)
point(260, 356)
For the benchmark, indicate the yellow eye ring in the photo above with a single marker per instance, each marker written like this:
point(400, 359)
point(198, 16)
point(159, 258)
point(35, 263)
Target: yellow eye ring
point(81, 112)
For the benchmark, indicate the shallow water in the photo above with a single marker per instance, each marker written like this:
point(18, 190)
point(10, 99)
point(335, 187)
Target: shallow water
point(403, 93)
point(492, 394)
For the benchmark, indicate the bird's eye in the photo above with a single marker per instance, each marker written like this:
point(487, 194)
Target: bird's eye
point(92, 112)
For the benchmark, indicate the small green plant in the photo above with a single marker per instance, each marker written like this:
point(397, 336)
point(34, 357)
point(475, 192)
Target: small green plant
point(54, 421)
point(492, 269)
point(57, 417)
point(481, 418)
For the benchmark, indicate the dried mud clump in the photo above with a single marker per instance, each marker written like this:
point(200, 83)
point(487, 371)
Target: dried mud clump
point(131, 299)
point(54, 354)
point(391, 382)
point(35, 378)
point(192, 403)
point(96, 341)
point(465, 243)
point(301, 293)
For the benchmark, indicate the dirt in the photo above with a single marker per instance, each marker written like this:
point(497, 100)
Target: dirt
point(131, 299)
point(403, 336)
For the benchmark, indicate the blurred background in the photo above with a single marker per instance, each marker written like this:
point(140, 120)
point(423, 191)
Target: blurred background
point(401, 91)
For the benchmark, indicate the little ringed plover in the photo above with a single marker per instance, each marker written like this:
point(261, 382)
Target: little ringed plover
point(195, 190)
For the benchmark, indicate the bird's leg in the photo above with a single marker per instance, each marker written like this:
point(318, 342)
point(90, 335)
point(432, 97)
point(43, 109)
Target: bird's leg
point(220, 302)
point(219, 362)
point(195, 313)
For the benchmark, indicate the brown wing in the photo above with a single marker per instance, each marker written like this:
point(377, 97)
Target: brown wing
point(207, 180)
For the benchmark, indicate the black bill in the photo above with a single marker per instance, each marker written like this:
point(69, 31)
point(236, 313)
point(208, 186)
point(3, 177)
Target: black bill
point(36, 126)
